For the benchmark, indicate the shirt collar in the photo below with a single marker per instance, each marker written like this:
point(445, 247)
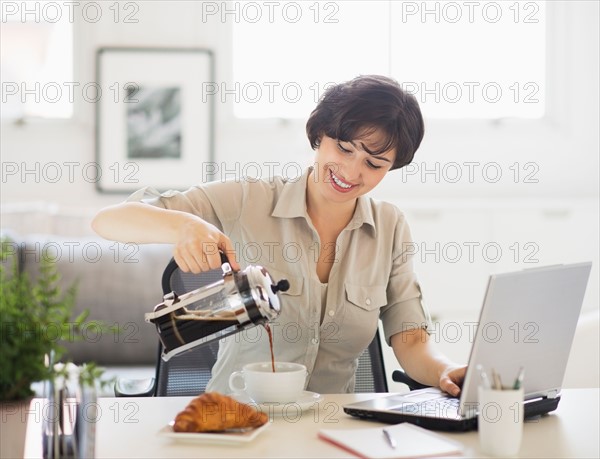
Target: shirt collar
point(292, 203)
point(292, 199)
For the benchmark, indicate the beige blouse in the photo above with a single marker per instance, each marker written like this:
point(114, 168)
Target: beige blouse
point(372, 277)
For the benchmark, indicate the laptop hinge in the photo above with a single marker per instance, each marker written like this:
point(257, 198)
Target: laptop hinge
point(552, 394)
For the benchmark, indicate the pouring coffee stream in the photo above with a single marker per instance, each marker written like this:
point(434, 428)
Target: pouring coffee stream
point(270, 333)
point(239, 300)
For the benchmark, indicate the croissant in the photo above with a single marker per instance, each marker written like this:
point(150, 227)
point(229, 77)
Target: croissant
point(213, 412)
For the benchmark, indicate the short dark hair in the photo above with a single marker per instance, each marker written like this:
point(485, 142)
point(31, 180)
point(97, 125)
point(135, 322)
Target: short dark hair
point(367, 103)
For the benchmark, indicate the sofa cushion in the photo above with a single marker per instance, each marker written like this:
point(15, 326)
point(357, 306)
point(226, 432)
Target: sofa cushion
point(117, 283)
point(46, 218)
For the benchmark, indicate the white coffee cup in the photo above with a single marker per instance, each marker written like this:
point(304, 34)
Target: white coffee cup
point(262, 385)
point(500, 421)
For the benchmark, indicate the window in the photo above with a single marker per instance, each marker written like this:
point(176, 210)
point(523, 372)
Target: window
point(481, 60)
point(37, 61)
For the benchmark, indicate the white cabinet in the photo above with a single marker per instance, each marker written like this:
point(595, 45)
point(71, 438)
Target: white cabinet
point(449, 248)
point(457, 245)
point(553, 235)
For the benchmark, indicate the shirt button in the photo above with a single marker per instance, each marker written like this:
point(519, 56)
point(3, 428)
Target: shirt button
point(331, 313)
point(315, 341)
point(368, 301)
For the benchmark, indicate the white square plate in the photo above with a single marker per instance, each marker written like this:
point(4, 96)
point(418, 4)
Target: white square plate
point(215, 438)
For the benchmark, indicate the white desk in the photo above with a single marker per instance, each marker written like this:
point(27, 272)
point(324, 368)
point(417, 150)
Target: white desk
point(128, 428)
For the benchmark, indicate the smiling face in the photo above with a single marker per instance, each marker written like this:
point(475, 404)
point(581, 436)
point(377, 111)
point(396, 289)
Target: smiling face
point(346, 169)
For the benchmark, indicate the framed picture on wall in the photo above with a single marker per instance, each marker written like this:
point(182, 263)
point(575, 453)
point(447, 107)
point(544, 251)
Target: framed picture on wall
point(154, 117)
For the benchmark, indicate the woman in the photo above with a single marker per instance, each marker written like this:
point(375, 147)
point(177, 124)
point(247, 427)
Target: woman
point(342, 252)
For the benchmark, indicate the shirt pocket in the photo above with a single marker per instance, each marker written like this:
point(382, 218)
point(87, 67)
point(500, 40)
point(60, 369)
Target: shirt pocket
point(369, 298)
point(290, 300)
point(361, 315)
point(254, 341)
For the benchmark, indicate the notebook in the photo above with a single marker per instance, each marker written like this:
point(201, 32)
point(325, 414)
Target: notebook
point(402, 440)
point(528, 319)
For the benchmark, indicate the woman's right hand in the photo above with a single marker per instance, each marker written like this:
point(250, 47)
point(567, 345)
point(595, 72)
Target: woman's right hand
point(198, 245)
point(197, 242)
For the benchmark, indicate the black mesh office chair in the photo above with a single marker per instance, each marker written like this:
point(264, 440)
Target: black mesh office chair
point(188, 373)
point(370, 374)
point(185, 374)
point(401, 377)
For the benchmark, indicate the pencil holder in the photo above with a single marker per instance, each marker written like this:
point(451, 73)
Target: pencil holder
point(500, 421)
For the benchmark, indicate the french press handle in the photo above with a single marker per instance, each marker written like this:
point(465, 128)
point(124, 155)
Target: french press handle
point(224, 258)
point(172, 266)
point(225, 266)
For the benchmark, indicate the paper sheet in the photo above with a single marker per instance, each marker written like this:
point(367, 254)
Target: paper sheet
point(411, 441)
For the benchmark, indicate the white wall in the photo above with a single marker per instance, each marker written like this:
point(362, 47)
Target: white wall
point(563, 146)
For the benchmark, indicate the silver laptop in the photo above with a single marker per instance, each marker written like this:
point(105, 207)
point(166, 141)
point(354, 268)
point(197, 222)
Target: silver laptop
point(528, 320)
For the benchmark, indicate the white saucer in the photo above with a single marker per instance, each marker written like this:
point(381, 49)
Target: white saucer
point(308, 400)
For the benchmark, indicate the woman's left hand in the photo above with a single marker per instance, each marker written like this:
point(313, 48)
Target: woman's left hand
point(451, 379)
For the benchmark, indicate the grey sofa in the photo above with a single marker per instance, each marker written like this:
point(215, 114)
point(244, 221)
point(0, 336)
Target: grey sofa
point(117, 283)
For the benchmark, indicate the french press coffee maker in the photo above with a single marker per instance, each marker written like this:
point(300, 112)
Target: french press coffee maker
point(238, 301)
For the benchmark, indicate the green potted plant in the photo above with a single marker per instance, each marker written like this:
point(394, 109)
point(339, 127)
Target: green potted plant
point(36, 319)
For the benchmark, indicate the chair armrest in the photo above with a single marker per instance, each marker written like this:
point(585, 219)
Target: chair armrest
point(135, 387)
point(401, 377)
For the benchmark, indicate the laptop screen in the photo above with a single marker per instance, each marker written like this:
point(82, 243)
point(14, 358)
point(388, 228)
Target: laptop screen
point(528, 320)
